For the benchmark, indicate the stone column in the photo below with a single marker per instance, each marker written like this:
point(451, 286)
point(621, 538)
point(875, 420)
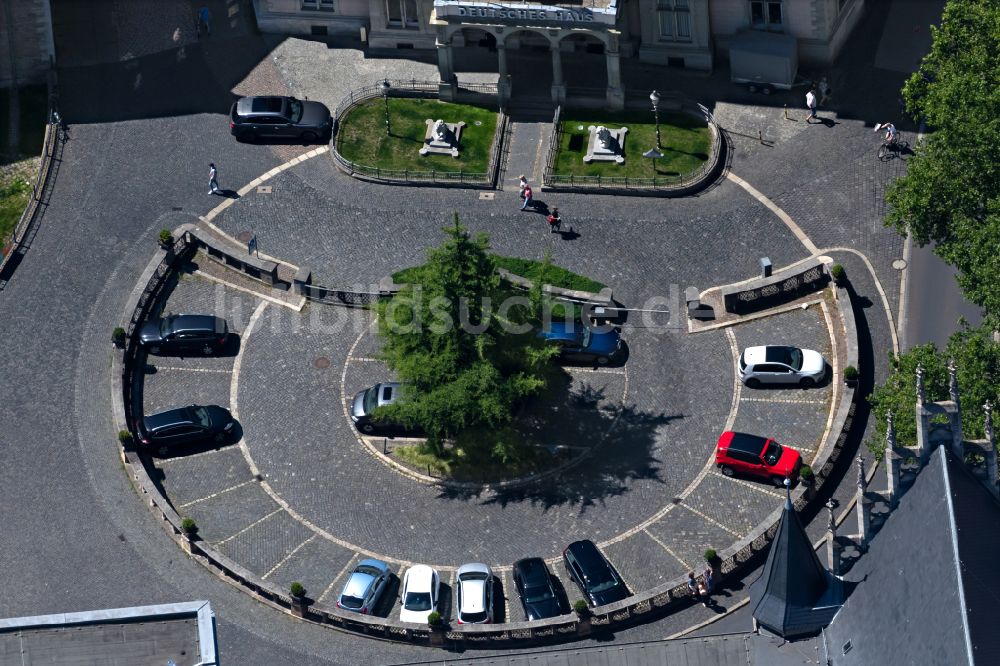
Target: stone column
point(503, 83)
point(615, 94)
point(447, 86)
point(922, 416)
point(864, 515)
point(558, 86)
point(891, 461)
point(991, 450)
point(832, 545)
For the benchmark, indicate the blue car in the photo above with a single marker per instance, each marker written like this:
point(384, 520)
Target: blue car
point(579, 343)
point(365, 586)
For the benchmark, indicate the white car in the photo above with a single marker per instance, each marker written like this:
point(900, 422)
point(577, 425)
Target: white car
point(420, 593)
point(781, 365)
point(475, 594)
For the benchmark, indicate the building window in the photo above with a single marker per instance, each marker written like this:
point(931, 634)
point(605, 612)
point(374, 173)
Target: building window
point(766, 15)
point(675, 20)
point(403, 14)
point(318, 5)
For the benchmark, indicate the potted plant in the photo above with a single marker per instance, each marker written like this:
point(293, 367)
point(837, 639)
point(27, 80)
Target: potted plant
point(438, 627)
point(166, 239)
point(851, 375)
point(582, 611)
point(808, 479)
point(300, 604)
point(838, 274)
point(125, 438)
point(118, 337)
point(189, 530)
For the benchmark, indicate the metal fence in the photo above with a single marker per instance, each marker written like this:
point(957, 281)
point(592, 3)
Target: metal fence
point(333, 296)
point(414, 89)
point(54, 133)
point(665, 184)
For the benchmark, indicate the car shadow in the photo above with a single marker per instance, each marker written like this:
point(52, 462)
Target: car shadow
point(499, 607)
point(321, 140)
point(758, 479)
point(619, 360)
point(823, 382)
point(389, 595)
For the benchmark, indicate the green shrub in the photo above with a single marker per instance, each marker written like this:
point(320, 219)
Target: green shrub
point(124, 437)
point(189, 527)
point(838, 272)
point(434, 618)
point(581, 608)
point(711, 556)
point(851, 373)
point(805, 472)
point(118, 335)
point(297, 589)
point(166, 238)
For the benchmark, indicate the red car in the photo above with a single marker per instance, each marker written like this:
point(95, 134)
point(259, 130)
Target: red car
point(760, 456)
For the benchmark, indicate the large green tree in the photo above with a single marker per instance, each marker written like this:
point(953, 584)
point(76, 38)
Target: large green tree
point(951, 192)
point(977, 362)
point(464, 343)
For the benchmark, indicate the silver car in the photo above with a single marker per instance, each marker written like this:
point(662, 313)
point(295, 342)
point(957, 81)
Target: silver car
point(781, 365)
point(475, 594)
point(364, 587)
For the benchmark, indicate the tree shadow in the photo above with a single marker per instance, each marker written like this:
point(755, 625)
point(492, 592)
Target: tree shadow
point(563, 424)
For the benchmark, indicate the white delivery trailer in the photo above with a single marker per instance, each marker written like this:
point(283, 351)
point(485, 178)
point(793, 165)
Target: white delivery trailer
point(765, 61)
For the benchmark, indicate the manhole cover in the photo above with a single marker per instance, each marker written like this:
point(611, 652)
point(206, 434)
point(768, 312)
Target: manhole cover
point(244, 236)
point(899, 264)
point(322, 363)
point(263, 189)
point(487, 196)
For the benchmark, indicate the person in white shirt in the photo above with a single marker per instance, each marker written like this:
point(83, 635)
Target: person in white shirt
point(811, 103)
point(891, 134)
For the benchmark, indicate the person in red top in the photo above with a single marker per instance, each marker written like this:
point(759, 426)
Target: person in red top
point(555, 222)
point(527, 197)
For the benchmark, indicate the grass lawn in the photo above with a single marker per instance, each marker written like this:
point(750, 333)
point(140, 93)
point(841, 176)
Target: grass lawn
point(14, 197)
point(18, 171)
point(526, 268)
point(686, 142)
point(362, 138)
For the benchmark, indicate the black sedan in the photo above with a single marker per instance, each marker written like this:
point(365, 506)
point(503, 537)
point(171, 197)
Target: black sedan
point(179, 333)
point(184, 425)
point(535, 589)
point(281, 117)
point(597, 579)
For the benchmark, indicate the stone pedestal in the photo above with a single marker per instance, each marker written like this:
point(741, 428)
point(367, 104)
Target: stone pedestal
point(605, 145)
point(442, 138)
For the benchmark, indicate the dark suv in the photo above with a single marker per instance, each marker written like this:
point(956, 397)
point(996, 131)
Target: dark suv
point(597, 579)
point(180, 333)
point(184, 425)
point(283, 117)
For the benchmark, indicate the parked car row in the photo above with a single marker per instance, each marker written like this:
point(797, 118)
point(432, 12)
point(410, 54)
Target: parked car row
point(420, 590)
point(179, 334)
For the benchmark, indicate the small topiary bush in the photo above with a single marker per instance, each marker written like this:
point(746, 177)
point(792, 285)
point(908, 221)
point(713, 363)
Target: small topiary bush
point(118, 336)
point(581, 608)
point(806, 472)
point(166, 238)
point(434, 618)
point(124, 437)
point(189, 526)
point(851, 373)
point(297, 589)
point(711, 556)
point(837, 272)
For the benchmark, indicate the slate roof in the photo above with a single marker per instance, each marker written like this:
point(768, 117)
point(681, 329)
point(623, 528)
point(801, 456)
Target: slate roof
point(795, 595)
point(930, 585)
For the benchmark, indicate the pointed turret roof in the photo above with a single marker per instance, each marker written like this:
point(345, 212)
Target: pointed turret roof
point(795, 595)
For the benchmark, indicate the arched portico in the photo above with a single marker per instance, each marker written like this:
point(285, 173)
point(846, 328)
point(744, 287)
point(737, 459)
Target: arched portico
point(555, 40)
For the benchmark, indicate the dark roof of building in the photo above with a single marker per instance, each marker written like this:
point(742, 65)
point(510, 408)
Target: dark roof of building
point(795, 595)
point(930, 586)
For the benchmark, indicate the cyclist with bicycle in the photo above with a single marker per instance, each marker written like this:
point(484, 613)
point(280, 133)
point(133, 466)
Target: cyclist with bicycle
point(891, 134)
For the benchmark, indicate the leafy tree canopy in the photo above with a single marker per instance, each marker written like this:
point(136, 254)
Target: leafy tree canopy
point(464, 343)
point(951, 192)
point(977, 361)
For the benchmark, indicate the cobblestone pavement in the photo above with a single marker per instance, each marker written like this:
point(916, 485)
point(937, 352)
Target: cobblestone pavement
point(135, 164)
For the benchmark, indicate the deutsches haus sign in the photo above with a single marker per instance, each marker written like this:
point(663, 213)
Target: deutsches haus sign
point(522, 14)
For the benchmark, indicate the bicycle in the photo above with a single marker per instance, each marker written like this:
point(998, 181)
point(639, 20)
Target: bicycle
point(891, 148)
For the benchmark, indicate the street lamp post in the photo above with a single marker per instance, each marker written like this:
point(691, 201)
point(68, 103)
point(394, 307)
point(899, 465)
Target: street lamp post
point(654, 155)
point(385, 98)
point(654, 97)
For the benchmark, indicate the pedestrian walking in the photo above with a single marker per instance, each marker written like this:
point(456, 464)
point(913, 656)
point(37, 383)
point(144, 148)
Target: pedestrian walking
point(703, 594)
point(555, 222)
point(811, 103)
point(692, 585)
point(204, 16)
point(213, 184)
point(824, 91)
point(522, 183)
point(527, 197)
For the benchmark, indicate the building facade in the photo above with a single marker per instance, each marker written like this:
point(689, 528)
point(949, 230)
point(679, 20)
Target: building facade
point(689, 34)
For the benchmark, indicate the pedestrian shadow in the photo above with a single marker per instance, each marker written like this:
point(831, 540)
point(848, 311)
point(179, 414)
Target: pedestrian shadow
point(568, 235)
point(229, 194)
